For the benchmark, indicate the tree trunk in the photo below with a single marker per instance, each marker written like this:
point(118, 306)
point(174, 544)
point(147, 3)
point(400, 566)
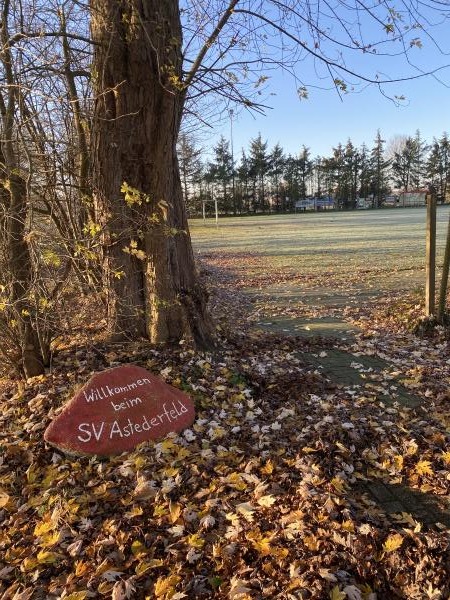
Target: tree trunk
point(17, 270)
point(150, 278)
point(19, 276)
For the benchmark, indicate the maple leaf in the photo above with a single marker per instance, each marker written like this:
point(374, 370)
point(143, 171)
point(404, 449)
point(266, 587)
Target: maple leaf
point(195, 540)
point(423, 467)
point(268, 468)
point(136, 511)
point(43, 527)
point(74, 549)
point(266, 501)
point(123, 590)
point(144, 567)
point(138, 548)
point(176, 530)
point(50, 539)
point(446, 457)
point(192, 556)
point(144, 489)
point(393, 542)
point(165, 586)
point(238, 589)
point(45, 557)
point(353, 593)
point(207, 521)
point(336, 594)
point(246, 510)
point(398, 462)
point(260, 543)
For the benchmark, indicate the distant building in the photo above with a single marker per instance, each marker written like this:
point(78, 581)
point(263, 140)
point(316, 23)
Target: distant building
point(407, 199)
point(364, 203)
point(315, 204)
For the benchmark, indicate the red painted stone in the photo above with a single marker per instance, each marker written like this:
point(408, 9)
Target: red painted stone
point(117, 410)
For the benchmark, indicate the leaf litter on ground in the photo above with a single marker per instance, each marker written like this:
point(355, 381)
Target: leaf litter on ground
point(260, 498)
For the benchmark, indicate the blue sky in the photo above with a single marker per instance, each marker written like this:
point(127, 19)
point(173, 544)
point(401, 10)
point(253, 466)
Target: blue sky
point(325, 119)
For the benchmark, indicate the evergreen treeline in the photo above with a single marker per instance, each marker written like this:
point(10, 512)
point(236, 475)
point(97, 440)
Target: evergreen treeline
point(266, 180)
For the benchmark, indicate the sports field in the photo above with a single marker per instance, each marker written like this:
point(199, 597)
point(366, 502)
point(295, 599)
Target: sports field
point(365, 250)
point(312, 271)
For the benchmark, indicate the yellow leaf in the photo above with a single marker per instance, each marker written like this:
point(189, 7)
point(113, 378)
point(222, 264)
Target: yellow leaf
point(336, 594)
point(278, 552)
point(140, 254)
point(76, 596)
point(51, 475)
point(136, 511)
point(175, 511)
point(311, 542)
point(144, 567)
point(195, 540)
point(138, 548)
point(81, 568)
point(267, 469)
point(47, 558)
point(398, 462)
point(29, 564)
point(423, 467)
point(171, 472)
point(43, 527)
point(182, 454)
point(168, 445)
point(165, 586)
point(106, 587)
point(100, 490)
point(348, 526)
point(32, 473)
point(50, 539)
point(411, 448)
point(246, 510)
point(262, 545)
point(446, 457)
point(236, 481)
point(267, 501)
point(159, 510)
point(393, 542)
point(140, 462)
point(4, 498)
point(338, 484)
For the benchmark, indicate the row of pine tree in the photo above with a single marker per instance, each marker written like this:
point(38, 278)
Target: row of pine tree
point(271, 180)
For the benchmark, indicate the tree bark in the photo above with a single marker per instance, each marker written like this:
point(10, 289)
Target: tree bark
point(17, 271)
point(150, 277)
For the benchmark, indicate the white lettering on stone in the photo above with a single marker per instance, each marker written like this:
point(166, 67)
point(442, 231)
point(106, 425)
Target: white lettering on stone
point(131, 428)
point(126, 403)
point(86, 427)
point(103, 392)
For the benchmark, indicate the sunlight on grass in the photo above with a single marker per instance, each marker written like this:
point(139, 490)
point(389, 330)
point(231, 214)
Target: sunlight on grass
point(384, 248)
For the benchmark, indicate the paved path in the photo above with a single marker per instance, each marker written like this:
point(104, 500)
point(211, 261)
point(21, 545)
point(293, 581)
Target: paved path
point(366, 373)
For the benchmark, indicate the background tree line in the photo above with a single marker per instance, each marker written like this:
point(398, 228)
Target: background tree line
point(263, 179)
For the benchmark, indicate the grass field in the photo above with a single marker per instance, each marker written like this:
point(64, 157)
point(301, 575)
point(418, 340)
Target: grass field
point(366, 251)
